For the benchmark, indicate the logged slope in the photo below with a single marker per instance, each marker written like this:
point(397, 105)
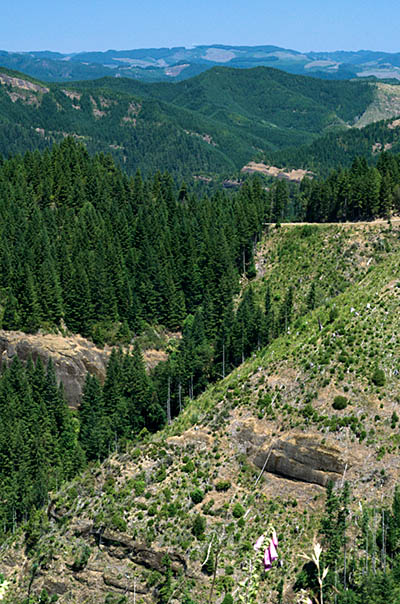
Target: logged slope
point(104, 536)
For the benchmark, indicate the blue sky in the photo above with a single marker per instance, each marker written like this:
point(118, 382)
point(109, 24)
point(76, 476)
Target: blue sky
point(75, 26)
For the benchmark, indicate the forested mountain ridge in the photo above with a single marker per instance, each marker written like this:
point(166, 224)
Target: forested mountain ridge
point(256, 449)
point(36, 118)
point(211, 125)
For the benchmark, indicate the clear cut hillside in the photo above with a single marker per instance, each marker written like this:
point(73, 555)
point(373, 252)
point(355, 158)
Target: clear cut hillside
point(320, 403)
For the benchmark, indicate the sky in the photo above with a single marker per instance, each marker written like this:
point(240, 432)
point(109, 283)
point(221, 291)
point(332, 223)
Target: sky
point(82, 25)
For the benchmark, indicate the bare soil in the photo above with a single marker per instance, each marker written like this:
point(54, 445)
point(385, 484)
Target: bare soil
point(293, 175)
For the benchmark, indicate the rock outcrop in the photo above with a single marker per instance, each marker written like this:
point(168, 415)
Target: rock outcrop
point(302, 457)
point(299, 456)
point(72, 357)
point(121, 546)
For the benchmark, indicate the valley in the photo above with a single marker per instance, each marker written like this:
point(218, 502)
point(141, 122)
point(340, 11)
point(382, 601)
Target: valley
point(199, 319)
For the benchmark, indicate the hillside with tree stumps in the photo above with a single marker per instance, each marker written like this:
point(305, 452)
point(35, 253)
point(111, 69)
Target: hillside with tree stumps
point(174, 516)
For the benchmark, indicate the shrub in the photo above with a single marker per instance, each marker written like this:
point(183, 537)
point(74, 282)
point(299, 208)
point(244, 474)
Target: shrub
point(197, 496)
point(161, 474)
point(381, 453)
point(139, 487)
point(81, 559)
point(223, 485)
point(153, 578)
point(188, 467)
point(378, 377)
point(199, 526)
point(117, 522)
point(152, 510)
point(238, 510)
point(340, 402)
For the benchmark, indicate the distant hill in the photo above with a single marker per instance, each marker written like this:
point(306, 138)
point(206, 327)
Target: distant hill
point(212, 124)
point(180, 63)
point(341, 148)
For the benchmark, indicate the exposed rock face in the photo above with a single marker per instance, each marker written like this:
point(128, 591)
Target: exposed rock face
point(303, 458)
point(300, 456)
point(123, 585)
point(120, 546)
point(23, 84)
point(73, 357)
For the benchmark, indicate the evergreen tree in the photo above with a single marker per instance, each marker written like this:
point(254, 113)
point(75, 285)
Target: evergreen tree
point(94, 433)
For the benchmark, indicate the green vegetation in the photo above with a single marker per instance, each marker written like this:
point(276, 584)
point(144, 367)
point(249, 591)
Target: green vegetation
point(197, 495)
point(360, 193)
point(181, 244)
point(329, 353)
point(340, 148)
point(340, 402)
point(212, 124)
point(378, 377)
point(366, 569)
point(82, 243)
point(38, 441)
point(223, 93)
point(276, 337)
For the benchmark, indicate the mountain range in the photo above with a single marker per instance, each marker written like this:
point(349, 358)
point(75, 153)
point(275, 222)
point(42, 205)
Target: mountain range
point(180, 63)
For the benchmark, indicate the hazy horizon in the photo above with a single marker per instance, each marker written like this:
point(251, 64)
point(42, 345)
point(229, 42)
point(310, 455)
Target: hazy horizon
point(199, 45)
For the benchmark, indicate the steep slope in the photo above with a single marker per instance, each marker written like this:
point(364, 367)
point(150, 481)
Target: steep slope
point(257, 448)
point(385, 106)
point(140, 133)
